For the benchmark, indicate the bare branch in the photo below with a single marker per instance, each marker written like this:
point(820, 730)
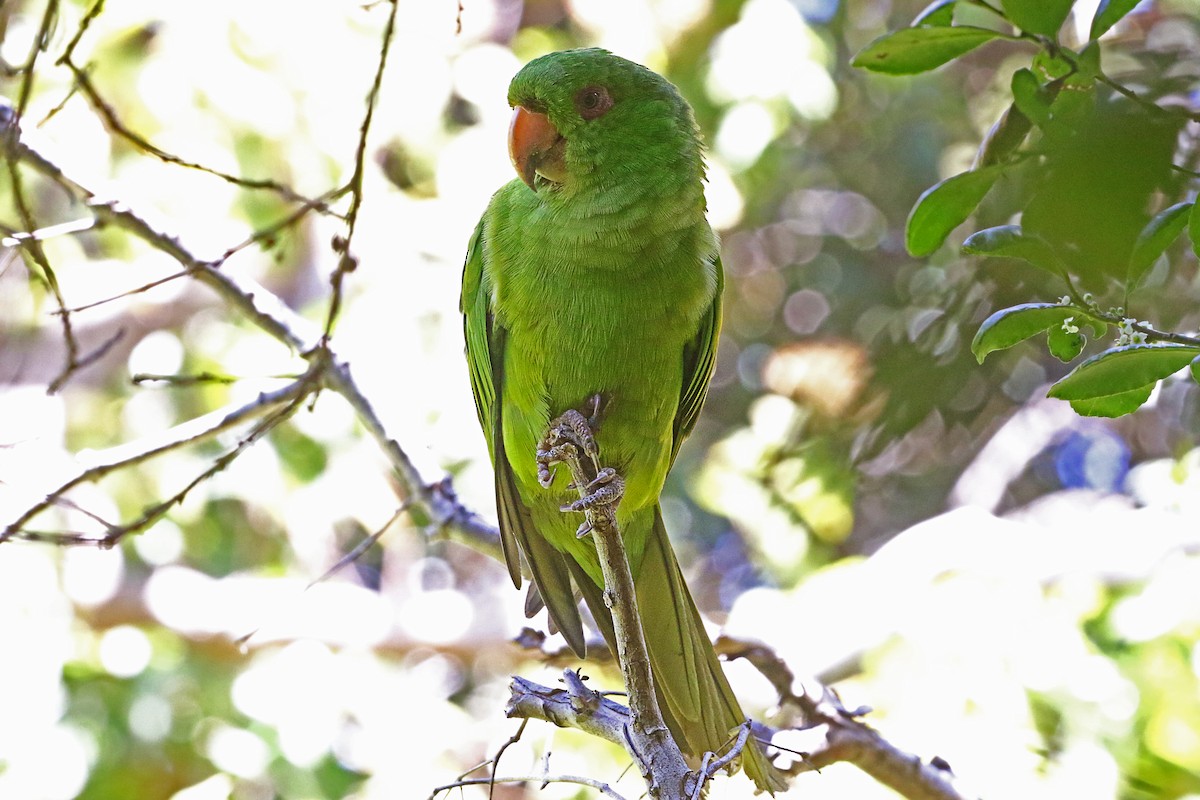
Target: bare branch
point(192, 432)
point(516, 737)
point(114, 124)
point(40, 42)
point(92, 13)
point(648, 739)
point(846, 737)
point(599, 786)
point(347, 263)
point(435, 503)
point(362, 546)
point(585, 709)
point(10, 134)
point(711, 767)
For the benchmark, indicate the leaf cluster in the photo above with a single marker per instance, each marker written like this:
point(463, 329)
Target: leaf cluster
point(1086, 159)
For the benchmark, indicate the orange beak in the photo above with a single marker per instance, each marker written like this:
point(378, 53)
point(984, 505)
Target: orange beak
point(535, 146)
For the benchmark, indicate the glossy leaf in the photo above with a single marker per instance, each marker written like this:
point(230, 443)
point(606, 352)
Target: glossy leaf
point(1087, 63)
point(1028, 96)
point(1154, 239)
point(943, 207)
point(1113, 405)
point(1009, 241)
point(1108, 13)
point(912, 50)
point(1123, 369)
point(1098, 326)
point(1004, 138)
point(1037, 16)
point(1013, 325)
point(1051, 66)
point(1063, 345)
point(939, 13)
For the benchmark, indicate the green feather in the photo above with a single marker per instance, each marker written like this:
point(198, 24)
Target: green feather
point(606, 281)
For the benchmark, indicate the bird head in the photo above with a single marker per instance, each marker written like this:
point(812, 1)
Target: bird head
point(587, 118)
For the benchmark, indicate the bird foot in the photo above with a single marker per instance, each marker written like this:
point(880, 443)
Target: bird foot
point(570, 440)
point(604, 493)
point(549, 454)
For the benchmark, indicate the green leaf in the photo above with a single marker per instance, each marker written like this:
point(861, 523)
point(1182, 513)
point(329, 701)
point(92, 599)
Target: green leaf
point(911, 50)
point(939, 13)
point(1099, 327)
point(1004, 138)
point(1194, 228)
point(1037, 16)
point(1154, 239)
point(943, 207)
point(1063, 345)
point(1087, 63)
point(1009, 241)
point(1108, 13)
point(1028, 96)
point(304, 457)
point(1123, 369)
point(1051, 66)
point(1196, 369)
point(1010, 326)
point(1113, 405)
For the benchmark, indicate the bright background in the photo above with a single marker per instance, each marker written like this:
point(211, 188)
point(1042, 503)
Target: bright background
point(1008, 586)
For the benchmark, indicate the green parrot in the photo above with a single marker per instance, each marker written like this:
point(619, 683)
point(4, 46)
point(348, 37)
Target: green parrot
point(596, 279)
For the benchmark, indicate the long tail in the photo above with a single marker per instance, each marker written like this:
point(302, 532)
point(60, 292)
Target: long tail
point(696, 699)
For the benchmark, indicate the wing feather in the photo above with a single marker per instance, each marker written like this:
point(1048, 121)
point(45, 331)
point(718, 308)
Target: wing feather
point(519, 536)
point(699, 359)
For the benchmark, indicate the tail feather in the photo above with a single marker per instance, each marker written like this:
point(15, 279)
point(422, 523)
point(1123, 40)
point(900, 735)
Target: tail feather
point(547, 564)
point(696, 700)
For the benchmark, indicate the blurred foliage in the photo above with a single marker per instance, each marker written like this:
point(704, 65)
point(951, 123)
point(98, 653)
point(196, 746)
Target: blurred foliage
point(1009, 586)
point(1093, 158)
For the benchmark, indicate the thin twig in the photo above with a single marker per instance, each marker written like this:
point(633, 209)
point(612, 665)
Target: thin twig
point(195, 431)
point(114, 124)
point(847, 738)
point(40, 41)
point(516, 737)
point(436, 502)
point(88, 18)
point(738, 746)
point(10, 135)
point(362, 546)
point(591, 783)
point(194, 379)
point(1089, 309)
point(347, 263)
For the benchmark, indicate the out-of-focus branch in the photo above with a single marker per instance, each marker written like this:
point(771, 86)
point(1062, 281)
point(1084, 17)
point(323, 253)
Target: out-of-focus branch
point(194, 431)
point(114, 124)
point(542, 780)
point(846, 737)
point(347, 263)
point(435, 502)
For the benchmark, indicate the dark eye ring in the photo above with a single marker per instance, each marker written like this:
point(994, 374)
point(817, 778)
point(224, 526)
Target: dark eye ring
point(593, 101)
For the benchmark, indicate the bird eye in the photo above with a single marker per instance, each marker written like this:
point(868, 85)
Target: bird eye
point(593, 101)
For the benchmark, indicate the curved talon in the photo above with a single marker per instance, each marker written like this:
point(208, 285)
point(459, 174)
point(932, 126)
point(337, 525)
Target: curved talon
point(575, 427)
point(607, 490)
point(604, 476)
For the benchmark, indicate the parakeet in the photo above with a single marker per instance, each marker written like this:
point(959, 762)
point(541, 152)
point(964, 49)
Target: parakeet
point(595, 280)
